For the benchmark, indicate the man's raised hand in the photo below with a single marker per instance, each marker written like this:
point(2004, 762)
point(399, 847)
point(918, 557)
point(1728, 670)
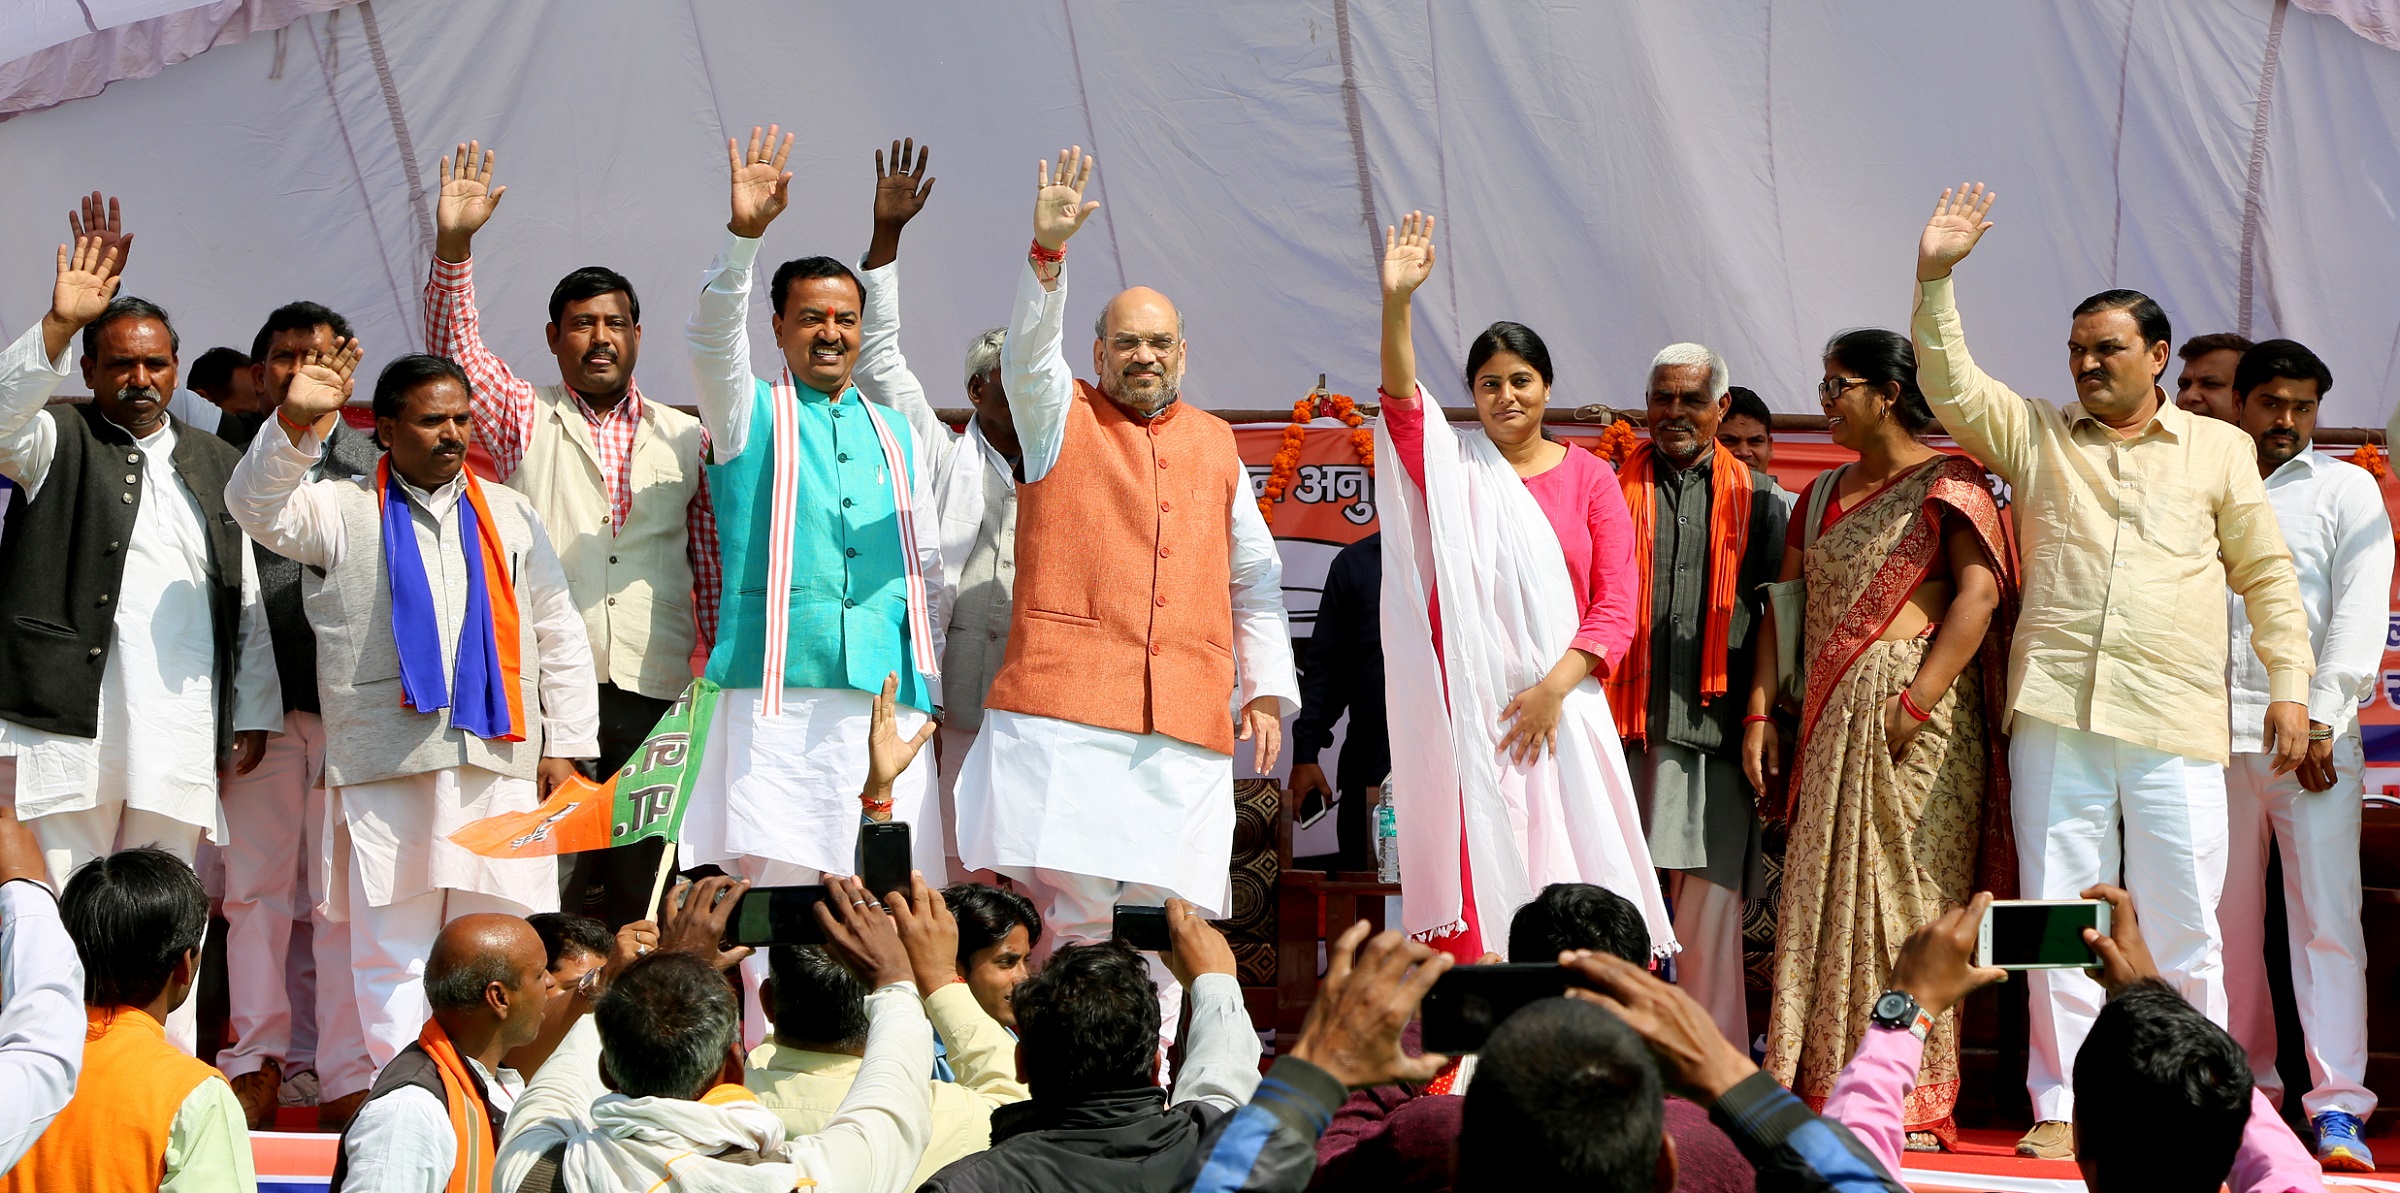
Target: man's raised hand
point(87, 279)
point(466, 200)
point(888, 753)
point(861, 935)
point(900, 193)
point(102, 221)
point(1058, 208)
point(320, 385)
point(761, 186)
point(1353, 1028)
point(1407, 255)
point(1956, 225)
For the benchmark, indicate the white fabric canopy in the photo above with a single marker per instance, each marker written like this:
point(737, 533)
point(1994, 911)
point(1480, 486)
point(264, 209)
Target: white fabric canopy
point(1619, 175)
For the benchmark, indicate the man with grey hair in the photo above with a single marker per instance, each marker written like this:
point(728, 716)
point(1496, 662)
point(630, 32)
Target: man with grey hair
point(974, 485)
point(1701, 518)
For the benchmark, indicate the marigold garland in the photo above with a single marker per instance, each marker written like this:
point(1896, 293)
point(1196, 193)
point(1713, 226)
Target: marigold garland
point(1616, 443)
point(2371, 458)
point(1316, 404)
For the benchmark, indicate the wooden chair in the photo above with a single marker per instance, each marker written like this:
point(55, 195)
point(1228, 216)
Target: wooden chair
point(1312, 907)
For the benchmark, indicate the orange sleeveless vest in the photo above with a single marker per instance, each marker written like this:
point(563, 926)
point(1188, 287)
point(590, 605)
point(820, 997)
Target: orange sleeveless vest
point(112, 1136)
point(1123, 611)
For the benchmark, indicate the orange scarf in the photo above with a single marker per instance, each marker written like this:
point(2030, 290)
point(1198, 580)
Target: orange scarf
point(1728, 541)
point(469, 1116)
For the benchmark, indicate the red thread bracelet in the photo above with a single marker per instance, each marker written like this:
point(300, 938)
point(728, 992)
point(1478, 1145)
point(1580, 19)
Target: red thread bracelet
point(1758, 716)
point(297, 428)
point(1048, 256)
point(1910, 707)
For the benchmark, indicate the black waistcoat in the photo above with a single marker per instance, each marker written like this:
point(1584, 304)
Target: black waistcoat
point(62, 560)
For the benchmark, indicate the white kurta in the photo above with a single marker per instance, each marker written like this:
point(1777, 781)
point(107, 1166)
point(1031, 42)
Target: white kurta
point(785, 789)
point(1145, 808)
point(159, 684)
point(398, 829)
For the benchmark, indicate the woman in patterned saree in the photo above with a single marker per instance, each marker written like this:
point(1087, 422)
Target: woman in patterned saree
point(1899, 806)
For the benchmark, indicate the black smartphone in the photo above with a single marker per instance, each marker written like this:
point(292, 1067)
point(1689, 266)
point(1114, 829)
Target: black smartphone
point(770, 915)
point(1466, 1003)
point(883, 858)
point(1144, 928)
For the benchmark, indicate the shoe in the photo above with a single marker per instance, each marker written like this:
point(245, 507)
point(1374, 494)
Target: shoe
point(336, 1114)
point(2340, 1147)
point(257, 1093)
point(299, 1089)
point(2049, 1139)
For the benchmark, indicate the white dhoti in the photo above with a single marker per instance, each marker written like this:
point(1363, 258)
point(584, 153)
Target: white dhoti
point(777, 799)
point(396, 879)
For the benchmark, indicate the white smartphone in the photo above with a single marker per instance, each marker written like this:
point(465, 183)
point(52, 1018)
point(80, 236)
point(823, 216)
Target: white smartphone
point(2040, 933)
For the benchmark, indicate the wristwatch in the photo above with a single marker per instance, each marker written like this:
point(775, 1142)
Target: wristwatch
point(1898, 1011)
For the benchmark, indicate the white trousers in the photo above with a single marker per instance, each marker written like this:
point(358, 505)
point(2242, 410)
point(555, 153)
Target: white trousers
point(1708, 923)
point(2316, 833)
point(388, 948)
point(2073, 791)
point(951, 754)
point(279, 948)
point(1081, 909)
point(69, 839)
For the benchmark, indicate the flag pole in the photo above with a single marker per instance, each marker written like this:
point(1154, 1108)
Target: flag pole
point(658, 885)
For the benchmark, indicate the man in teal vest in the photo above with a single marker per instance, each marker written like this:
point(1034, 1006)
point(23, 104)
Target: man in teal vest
point(829, 537)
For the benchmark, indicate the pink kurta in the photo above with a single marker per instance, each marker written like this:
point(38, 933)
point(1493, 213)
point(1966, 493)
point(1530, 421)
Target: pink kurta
point(1586, 509)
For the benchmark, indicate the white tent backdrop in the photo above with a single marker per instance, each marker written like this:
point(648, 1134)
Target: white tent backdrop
point(1618, 175)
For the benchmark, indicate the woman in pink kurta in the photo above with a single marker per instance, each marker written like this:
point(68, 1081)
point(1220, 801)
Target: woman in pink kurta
point(1577, 495)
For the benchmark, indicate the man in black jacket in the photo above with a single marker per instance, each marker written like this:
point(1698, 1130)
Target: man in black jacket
point(133, 647)
point(1344, 673)
point(1087, 1045)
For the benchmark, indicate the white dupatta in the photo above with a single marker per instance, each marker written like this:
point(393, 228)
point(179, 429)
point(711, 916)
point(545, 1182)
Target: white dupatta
point(1475, 535)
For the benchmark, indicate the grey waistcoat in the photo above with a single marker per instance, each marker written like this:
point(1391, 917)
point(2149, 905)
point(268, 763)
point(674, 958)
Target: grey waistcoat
point(978, 637)
point(369, 734)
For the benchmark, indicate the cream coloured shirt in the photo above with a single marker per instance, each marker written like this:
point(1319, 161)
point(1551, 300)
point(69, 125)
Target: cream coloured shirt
point(2128, 543)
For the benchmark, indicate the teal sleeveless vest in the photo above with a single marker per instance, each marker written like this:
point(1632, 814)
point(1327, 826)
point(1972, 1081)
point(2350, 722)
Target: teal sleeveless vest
point(849, 602)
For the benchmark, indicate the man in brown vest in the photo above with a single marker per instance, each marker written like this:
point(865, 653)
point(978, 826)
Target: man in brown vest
point(1145, 577)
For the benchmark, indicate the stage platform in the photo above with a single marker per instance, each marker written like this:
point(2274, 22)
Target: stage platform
point(302, 1162)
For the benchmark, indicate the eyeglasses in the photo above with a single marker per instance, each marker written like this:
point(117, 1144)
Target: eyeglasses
point(1125, 345)
point(1834, 387)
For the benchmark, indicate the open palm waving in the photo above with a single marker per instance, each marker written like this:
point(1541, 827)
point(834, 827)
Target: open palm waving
point(467, 200)
point(1407, 254)
point(761, 186)
point(87, 279)
point(1058, 208)
point(1951, 234)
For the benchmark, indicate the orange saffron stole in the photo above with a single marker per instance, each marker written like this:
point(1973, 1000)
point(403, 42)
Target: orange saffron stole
point(502, 589)
point(468, 1115)
point(1728, 540)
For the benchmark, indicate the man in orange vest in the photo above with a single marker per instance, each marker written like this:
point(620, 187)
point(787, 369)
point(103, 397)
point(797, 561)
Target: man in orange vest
point(433, 1120)
point(145, 1116)
point(1146, 582)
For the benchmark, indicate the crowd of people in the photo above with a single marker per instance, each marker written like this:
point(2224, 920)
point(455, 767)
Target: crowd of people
point(1592, 688)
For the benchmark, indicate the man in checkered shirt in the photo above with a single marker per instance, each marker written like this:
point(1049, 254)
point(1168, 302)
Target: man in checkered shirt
point(617, 480)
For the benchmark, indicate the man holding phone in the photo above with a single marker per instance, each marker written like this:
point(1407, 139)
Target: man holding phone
point(2332, 516)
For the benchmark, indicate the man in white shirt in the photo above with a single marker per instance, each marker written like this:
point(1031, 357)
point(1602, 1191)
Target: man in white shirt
point(1148, 605)
point(974, 475)
point(41, 995)
point(454, 678)
point(662, 1029)
point(129, 603)
point(488, 981)
point(2333, 520)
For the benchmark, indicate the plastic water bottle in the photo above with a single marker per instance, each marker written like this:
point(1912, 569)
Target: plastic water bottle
point(1387, 836)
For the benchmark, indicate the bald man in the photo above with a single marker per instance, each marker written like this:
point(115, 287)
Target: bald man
point(446, 1097)
point(1144, 578)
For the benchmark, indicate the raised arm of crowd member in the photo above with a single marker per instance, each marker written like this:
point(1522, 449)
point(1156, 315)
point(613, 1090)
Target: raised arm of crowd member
point(1791, 1148)
point(1220, 1049)
point(41, 995)
point(1350, 1040)
point(719, 330)
point(883, 375)
point(1040, 380)
point(982, 1055)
